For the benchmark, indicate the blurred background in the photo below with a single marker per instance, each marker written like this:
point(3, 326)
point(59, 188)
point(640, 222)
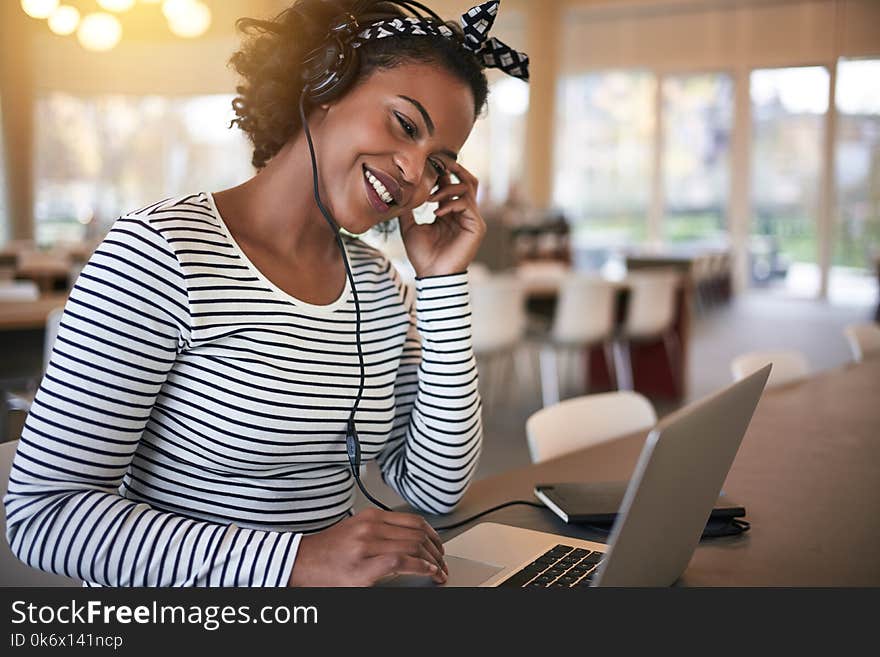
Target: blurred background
point(733, 145)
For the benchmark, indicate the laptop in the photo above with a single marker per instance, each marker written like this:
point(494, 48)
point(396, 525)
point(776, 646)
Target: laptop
point(667, 502)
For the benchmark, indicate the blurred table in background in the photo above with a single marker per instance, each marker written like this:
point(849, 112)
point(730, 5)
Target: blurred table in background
point(29, 314)
point(709, 270)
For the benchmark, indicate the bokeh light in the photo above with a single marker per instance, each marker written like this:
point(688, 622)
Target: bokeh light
point(64, 20)
point(190, 19)
point(116, 5)
point(99, 32)
point(39, 8)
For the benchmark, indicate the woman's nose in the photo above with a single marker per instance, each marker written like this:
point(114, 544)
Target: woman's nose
point(409, 168)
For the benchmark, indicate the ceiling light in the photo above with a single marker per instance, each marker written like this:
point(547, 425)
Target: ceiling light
point(39, 8)
point(192, 20)
point(64, 20)
point(99, 32)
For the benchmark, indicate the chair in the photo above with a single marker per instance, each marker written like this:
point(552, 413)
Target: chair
point(584, 316)
point(584, 421)
point(498, 323)
point(14, 572)
point(20, 401)
point(788, 366)
point(650, 315)
point(864, 340)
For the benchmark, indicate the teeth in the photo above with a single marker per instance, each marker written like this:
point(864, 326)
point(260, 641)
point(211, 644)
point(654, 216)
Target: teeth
point(379, 187)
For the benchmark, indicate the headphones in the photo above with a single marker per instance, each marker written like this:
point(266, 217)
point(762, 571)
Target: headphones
point(327, 72)
point(329, 69)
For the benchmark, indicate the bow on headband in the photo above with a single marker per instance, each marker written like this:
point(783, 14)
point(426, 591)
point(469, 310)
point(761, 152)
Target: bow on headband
point(476, 23)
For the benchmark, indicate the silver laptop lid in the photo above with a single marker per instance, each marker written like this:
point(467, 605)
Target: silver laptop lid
point(679, 475)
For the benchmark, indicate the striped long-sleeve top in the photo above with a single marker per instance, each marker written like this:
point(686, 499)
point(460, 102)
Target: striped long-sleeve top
point(190, 424)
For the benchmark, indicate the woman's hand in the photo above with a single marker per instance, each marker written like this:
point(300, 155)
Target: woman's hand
point(367, 548)
point(448, 245)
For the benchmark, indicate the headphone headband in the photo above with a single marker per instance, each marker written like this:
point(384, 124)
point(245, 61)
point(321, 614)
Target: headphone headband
point(329, 69)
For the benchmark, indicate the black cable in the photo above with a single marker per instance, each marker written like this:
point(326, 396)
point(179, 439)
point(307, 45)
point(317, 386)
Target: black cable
point(482, 513)
point(352, 442)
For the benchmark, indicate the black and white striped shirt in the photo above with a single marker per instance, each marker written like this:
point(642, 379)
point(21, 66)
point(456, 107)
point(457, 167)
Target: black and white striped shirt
point(190, 424)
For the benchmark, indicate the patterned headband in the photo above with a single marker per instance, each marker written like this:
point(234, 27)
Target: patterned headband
point(476, 23)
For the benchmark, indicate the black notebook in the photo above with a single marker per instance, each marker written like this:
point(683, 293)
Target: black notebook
point(597, 503)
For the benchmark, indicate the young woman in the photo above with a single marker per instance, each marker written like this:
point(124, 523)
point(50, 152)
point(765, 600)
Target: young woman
point(219, 350)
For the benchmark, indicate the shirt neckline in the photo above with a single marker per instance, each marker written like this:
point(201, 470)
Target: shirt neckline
point(333, 305)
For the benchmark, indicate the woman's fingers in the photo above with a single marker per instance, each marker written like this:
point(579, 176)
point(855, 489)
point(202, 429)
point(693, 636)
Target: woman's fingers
point(412, 521)
point(410, 548)
point(388, 565)
point(450, 191)
point(415, 536)
point(455, 205)
point(465, 176)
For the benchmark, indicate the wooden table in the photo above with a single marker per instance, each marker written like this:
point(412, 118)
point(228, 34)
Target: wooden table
point(808, 474)
point(16, 315)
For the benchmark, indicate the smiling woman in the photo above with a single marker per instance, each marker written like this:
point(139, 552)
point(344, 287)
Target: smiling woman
point(226, 360)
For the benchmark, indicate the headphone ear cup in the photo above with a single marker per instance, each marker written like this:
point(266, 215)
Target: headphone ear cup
point(329, 70)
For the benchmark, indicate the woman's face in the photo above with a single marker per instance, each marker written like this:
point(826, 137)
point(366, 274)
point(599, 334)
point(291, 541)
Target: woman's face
point(382, 147)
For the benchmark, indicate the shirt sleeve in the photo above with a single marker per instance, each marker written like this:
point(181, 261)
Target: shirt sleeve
point(125, 322)
point(435, 444)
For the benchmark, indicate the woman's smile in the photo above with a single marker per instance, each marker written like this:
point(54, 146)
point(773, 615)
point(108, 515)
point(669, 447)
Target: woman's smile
point(382, 191)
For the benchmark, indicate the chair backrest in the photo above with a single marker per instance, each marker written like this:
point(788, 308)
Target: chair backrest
point(788, 366)
point(584, 310)
point(498, 317)
point(651, 306)
point(53, 321)
point(588, 420)
point(864, 340)
point(14, 572)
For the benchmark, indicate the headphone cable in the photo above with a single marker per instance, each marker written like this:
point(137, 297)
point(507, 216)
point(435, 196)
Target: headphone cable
point(352, 442)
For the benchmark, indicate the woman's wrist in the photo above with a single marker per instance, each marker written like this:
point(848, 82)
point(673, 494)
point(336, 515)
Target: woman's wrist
point(431, 273)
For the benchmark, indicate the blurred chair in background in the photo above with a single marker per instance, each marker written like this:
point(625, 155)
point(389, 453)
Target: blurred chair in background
point(14, 572)
point(498, 321)
point(20, 401)
point(650, 316)
point(584, 421)
point(702, 279)
point(864, 340)
point(788, 366)
point(584, 316)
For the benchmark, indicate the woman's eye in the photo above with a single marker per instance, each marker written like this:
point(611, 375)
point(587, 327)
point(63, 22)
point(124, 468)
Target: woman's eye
point(408, 127)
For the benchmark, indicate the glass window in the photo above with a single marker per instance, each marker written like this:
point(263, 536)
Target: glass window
point(697, 125)
point(100, 156)
point(788, 115)
point(857, 167)
point(495, 150)
point(603, 156)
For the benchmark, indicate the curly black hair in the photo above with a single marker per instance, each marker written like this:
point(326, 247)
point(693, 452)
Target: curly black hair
point(271, 56)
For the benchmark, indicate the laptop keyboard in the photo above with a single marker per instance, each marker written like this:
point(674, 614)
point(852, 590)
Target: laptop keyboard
point(560, 567)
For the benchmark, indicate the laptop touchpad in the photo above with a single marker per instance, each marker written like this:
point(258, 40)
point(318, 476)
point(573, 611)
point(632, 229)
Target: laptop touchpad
point(462, 572)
